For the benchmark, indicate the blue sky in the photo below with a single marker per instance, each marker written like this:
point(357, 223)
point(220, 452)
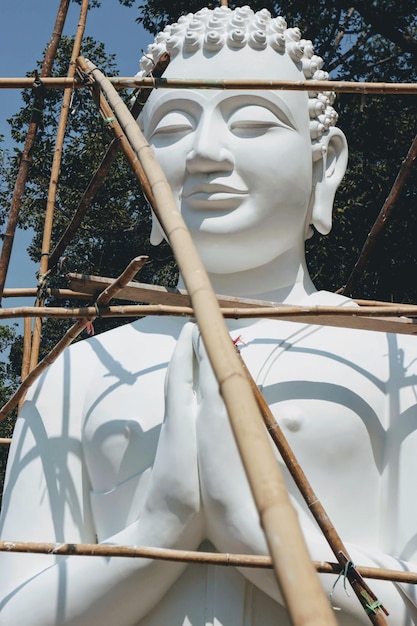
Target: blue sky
point(25, 30)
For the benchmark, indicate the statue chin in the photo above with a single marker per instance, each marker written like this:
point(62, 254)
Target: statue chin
point(125, 439)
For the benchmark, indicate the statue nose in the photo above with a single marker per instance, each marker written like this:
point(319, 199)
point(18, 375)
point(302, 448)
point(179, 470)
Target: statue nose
point(209, 151)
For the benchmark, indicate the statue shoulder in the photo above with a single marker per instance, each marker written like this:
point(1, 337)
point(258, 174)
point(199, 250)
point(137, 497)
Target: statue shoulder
point(328, 298)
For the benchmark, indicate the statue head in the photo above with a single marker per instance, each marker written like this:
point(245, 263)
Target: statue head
point(251, 170)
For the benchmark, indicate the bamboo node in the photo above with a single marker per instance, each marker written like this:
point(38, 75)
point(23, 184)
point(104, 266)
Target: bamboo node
point(56, 547)
point(37, 83)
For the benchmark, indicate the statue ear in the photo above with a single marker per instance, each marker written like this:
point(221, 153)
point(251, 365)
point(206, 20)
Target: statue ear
point(157, 234)
point(328, 172)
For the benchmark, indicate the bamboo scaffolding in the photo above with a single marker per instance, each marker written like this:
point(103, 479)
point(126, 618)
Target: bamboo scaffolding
point(362, 591)
point(228, 559)
point(54, 177)
point(382, 219)
point(123, 143)
point(278, 518)
point(136, 291)
point(235, 560)
point(103, 170)
point(367, 318)
point(189, 556)
point(26, 160)
point(71, 334)
point(131, 82)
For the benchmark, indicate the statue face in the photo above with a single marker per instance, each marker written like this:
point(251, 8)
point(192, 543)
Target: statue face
point(239, 165)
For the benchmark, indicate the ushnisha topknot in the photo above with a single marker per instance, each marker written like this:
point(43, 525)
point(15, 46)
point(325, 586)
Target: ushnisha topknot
point(213, 29)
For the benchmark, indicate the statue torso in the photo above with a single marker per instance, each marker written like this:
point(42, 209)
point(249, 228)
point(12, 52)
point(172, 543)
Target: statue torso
point(346, 401)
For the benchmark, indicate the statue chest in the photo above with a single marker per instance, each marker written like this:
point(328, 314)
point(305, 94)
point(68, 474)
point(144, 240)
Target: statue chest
point(346, 402)
point(123, 412)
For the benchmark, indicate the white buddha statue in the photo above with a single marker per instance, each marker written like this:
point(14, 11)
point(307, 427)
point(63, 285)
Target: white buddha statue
point(125, 439)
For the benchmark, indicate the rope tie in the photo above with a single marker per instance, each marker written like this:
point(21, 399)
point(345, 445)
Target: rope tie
point(42, 285)
point(371, 607)
point(344, 572)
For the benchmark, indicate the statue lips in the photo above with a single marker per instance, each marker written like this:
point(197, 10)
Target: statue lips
point(215, 196)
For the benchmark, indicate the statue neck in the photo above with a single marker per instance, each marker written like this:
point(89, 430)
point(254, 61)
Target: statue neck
point(284, 279)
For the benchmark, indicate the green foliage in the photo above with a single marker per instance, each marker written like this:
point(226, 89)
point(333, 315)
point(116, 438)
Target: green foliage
point(116, 227)
point(8, 385)
point(335, 25)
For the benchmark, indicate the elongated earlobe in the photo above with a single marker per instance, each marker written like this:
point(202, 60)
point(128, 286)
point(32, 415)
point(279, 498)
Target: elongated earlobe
point(327, 175)
point(156, 236)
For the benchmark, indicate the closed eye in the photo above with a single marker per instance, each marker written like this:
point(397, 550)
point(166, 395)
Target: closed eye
point(254, 120)
point(174, 123)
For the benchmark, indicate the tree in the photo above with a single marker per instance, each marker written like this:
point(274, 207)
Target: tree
point(116, 227)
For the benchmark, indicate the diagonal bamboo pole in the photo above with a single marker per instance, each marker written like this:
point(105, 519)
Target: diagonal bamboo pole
point(382, 218)
point(362, 590)
point(289, 553)
point(53, 182)
point(103, 169)
point(26, 161)
point(123, 143)
point(72, 333)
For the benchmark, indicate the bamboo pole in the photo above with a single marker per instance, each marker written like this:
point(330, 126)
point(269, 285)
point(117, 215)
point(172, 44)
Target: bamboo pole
point(114, 125)
point(54, 177)
point(27, 341)
point(71, 334)
point(144, 292)
point(373, 318)
point(26, 161)
point(190, 556)
point(32, 292)
point(290, 556)
point(382, 219)
point(362, 591)
point(152, 293)
point(131, 82)
point(103, 169)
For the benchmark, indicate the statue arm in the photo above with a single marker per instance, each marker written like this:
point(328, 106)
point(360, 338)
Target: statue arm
point(47, 589)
